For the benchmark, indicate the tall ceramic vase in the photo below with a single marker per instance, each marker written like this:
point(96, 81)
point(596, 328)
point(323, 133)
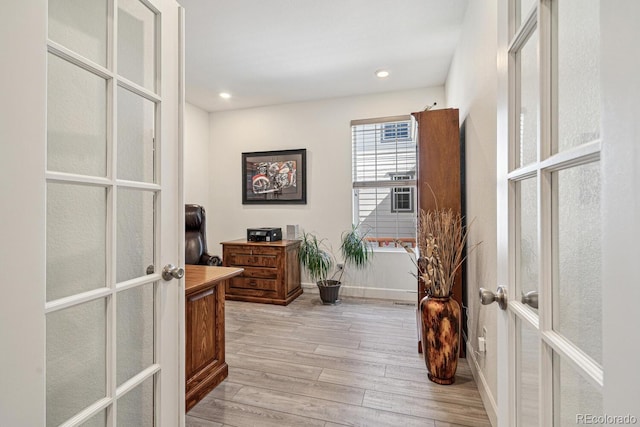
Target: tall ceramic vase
point(441, 323)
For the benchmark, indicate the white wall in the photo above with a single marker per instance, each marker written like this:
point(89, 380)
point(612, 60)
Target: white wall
point(23, 194)
point(621, 204)
point(323, 128)
point(472, 87)
point(196, 156)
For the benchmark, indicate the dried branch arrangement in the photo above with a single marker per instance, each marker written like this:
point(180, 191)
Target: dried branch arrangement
point(441, 240)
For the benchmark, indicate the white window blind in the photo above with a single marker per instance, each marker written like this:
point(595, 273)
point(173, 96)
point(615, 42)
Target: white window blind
point(384, 170)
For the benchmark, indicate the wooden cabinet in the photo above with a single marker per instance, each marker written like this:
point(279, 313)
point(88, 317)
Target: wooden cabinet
point(439, 159)
point(439, 172)
point(205, 365)
point(439, 167)
point(271, 271)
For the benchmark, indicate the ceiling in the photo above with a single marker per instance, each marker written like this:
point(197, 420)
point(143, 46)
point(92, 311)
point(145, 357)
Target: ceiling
point(268, 52)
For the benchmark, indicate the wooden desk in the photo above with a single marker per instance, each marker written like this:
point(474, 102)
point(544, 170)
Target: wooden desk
point(205, 366)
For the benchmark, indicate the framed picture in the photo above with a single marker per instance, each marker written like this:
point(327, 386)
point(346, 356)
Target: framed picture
point(272, 177)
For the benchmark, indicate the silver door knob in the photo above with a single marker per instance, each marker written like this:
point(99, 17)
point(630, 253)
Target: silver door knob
point(487, 297)
point(170, 271)
point(530, 298)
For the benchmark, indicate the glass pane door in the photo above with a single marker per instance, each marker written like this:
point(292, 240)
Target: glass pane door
point(102, 213)
point(527, 375)
point(555, 312)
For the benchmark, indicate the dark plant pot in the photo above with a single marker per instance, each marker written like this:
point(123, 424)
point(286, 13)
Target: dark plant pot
point(440, 337)
point(329, 290)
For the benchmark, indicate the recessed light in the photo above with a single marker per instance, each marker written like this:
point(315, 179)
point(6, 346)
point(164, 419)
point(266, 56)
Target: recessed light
point(382, 74)
point(225, 95)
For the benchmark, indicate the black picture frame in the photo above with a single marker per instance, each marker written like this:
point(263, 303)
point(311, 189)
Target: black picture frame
point(274, 177)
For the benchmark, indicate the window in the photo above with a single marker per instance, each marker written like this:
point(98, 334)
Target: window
point(384, 170)
point(402, 197)
point(399, 131)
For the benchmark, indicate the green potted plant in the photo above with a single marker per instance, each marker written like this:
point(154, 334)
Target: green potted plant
point(319, 261)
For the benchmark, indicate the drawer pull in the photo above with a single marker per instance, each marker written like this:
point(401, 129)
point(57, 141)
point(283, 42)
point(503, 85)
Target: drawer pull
point(201, 295)
point(253, 283)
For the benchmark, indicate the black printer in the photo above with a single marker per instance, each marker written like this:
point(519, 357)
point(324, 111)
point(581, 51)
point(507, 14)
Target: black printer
point(264, 234)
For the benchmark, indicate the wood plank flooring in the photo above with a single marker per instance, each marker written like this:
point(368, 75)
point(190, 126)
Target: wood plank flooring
point(354, 363)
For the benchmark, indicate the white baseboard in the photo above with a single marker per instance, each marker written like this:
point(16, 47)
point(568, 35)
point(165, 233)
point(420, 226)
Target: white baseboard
point(485, 393)
point(364, 292)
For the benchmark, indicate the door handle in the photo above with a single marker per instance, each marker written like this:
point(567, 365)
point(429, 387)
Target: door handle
point(170, 271)
point(487, 297)
point(530, 298)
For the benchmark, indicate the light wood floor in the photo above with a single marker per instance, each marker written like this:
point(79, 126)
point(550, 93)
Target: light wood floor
point(308, 364)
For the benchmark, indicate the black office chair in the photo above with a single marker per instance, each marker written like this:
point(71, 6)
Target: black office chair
point(195, 247)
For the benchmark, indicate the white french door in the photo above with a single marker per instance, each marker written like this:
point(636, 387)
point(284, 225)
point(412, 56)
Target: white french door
point(102, 326)
point(550, 214)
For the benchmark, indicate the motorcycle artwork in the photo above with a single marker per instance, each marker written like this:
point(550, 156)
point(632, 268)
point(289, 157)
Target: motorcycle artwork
point(272, 177)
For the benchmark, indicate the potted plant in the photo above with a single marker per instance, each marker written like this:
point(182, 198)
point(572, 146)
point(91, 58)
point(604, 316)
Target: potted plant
point(319, 261)
point(442, 238)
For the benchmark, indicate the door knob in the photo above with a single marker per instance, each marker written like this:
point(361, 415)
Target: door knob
point(170, 271)
point(530, 298)
point(487, 297)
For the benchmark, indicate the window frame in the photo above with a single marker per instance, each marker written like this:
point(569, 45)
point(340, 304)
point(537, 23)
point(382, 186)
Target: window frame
point(390, 223)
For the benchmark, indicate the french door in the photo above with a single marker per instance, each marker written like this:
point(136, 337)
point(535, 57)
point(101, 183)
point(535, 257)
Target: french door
point(550, 210)
point(102, 325)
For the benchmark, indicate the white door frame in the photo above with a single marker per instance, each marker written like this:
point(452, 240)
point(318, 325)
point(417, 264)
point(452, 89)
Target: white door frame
point(23, 37)
point(172, 319)
point(181, 213)
point(505, 390)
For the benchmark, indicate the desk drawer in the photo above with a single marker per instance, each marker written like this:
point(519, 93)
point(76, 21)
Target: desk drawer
point(250, 283)
point(247, 256)
point(256, 260)
point(260, 273)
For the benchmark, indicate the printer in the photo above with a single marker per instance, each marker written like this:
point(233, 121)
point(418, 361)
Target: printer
point(264, 234)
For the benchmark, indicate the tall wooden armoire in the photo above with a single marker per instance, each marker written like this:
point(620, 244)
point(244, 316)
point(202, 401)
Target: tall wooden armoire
point(439, 173)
